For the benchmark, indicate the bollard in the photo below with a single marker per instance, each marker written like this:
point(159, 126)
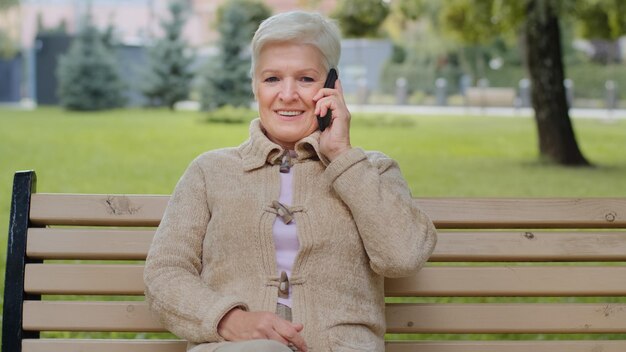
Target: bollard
point(483, 84)
point(524, 93)
point(401, 91)
point(611, 94)
point(362, 91)
point(441, 91)
point(464, 83)
point(569, 92)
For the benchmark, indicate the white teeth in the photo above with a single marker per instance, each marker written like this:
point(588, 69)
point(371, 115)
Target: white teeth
point(289, 113)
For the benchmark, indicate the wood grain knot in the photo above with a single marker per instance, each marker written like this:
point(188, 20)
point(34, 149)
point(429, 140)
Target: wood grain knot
point(610, 216)
point(120, 205)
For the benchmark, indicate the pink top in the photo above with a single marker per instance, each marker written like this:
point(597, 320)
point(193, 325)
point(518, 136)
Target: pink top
point(285, 236)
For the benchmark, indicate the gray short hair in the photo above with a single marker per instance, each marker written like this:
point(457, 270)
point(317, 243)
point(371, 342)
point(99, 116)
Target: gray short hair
point(302, 28)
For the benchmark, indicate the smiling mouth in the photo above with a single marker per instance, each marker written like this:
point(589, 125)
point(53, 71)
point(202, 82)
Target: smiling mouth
point(289, 112)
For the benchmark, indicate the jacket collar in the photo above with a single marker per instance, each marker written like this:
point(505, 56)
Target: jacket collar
point(258, 150)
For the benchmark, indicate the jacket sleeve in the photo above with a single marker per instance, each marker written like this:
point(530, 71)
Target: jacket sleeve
point(398, 237)
point(174, 290)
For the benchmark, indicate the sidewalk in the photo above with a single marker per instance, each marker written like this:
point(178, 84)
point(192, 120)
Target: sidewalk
point(478, 111)
point(601, 114)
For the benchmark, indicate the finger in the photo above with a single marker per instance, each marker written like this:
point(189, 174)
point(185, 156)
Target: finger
point(322, 106)
point(323, 92)
point(288, 332)
point(298, 341)
point(339, 111)
point(277, 337)
point(319, 95)
point(339, 88)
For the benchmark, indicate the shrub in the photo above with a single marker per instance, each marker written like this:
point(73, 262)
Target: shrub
point(231, 114)
point(227, 79)
point(168, 76)
point(8, 47)
point(88, 76)
point(361, 18)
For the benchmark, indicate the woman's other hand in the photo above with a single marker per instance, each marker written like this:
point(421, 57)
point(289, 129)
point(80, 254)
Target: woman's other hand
point(240, 325)
point(335, 140)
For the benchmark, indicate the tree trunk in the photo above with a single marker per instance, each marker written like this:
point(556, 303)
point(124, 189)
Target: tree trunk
point(557, 142)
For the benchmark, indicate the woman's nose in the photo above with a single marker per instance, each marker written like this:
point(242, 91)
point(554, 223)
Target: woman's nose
point(288, 91)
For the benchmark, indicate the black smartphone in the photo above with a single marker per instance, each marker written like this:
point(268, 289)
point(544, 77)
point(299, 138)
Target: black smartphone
point(324, 122)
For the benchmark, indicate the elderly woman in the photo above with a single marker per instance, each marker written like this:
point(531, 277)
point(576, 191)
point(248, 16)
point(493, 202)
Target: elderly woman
point(283, 243)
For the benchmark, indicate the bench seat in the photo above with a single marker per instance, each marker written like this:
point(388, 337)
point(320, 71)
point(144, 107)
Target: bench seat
point(490, 96)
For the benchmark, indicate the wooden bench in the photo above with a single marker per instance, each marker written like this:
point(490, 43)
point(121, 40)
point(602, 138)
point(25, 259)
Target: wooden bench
point(490, 96)
point(501, 266)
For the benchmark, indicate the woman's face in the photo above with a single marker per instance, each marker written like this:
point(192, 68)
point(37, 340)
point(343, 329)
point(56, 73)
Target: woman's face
point(286, 78)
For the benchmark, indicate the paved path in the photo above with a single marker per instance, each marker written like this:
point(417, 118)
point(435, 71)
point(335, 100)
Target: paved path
point(477, 111)
point(602, 114)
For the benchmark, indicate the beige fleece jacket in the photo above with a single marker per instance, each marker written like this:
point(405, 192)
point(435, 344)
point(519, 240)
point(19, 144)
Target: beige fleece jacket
point(356, 223)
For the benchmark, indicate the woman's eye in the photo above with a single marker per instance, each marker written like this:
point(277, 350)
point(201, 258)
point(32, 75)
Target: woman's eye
point(308, 79)
point(271, 79)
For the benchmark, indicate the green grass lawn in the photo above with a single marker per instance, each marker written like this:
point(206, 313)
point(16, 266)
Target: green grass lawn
point(146, 151)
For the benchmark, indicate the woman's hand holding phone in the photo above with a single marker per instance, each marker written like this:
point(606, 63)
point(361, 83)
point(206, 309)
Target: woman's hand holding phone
point(335, 139)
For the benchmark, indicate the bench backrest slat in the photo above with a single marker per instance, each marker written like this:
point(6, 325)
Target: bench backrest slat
point(71, 279)
point(526, 212)
point(511, 281)
point(507, 346)
point(89, 316)
point(63, 243)
point(489, 246)
point(123, 210)
point(531, 245)
point(75, 345)
point(518, 281)
point(97, 209)
point(506, 318)
point(401, 318)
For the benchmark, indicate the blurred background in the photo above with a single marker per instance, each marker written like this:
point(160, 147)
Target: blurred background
point(402, 52)
point(473, 98)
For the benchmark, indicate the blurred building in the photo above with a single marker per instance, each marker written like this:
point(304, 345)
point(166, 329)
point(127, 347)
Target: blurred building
point(135, 21)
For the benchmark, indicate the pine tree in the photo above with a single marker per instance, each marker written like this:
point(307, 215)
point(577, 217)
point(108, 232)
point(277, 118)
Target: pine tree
point(358, 19)
point(227, 77)
point(168, 77)
point(88, 75)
